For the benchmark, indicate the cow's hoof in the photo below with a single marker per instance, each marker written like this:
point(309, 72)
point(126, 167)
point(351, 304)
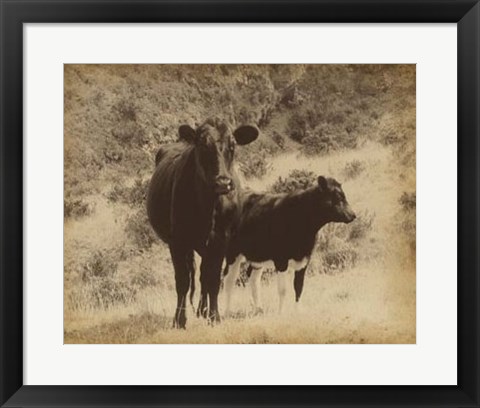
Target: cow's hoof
point(180, 323)
point(202, 313)
point(214, 318)
point(202, 310)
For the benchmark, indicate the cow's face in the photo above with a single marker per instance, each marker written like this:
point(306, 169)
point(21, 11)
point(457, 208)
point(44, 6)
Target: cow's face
point(214, 144)
point(334, 201)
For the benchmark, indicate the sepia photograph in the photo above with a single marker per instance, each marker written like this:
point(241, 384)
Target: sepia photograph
point(239, 204)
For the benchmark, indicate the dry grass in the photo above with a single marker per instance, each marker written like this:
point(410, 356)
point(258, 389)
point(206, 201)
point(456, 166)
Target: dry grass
point(364, 305)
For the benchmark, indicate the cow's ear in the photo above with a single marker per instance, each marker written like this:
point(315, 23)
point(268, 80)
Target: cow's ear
point(186, 133)
point(245, 134)
point(322, 182)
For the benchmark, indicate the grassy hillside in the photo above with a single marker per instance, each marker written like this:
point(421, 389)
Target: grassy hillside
point(353, 122)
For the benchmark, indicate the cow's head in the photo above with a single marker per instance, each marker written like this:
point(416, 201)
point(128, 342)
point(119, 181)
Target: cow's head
point(334, 204)
point(214, 144)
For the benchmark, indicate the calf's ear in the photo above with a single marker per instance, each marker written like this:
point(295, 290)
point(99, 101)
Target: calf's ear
point(322, 182)
point(245, 134)
point(186, 133)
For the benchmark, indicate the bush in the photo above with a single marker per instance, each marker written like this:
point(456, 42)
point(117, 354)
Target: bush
point(407, 217)
point(100, 265)
point(254, 164)
point(133, 196)
point(125, 110)
point(279, 140)
point(102, 287)
point(297, 126)
point(138, 192)
point(76, 208)
point(408, 201)
point(145, 279)
point(315, 145)
point(139, 230)
point(113, 155)
point(128, 133)
point(360, 227)
point(353, 169)
point(302, 122)
point(296, 180)
point(127, 128)
point(341, 246)
point(108, 292)
point(337, 260)
point(117, 194)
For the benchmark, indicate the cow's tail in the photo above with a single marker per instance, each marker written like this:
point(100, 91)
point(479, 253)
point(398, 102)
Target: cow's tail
point(192, 280)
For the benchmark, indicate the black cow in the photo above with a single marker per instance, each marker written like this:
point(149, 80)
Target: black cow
point(192, 204)
point(280, 230)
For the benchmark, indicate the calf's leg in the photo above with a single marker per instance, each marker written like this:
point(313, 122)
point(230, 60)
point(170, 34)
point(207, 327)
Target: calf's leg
point(210, 276)
point(255, 280)
point(284, 281)
point(229, 282)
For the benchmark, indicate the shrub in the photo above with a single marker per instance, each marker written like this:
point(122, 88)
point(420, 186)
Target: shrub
point(407, 217)
point(361, 226)
point(100, 265)
point(254, 164)
point(138, 192)
point(145, 279)
point(315, 145)
point(408, 201)
point(73, 208)
point(128, 133)
point(113, 155)
point(107, 292)
point(341, 246)
point(297, 126)
point(139, 230)
point(102, 288)
point(353, 169)
point(295, 181)
point(279, 140)
point(125, 110)
point(337, 260)
point(301, 123)
point(117, 193)
point(133, 196)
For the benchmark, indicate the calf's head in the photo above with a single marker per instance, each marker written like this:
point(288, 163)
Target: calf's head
point(214, 146)
point(334, 204)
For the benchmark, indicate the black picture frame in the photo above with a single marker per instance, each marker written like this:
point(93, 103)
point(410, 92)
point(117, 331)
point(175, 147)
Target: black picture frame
point(14, 13)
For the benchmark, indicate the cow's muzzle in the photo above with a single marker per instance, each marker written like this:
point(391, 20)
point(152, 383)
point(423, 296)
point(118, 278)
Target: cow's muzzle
point(223, 185)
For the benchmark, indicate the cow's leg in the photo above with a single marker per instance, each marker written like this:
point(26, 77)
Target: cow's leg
point(183, 263)
point(284, 281)
point(213, 288)
point(210, 271)
point(230, 281)
point(202, 310)
point(255, 280)
point(298, 283)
